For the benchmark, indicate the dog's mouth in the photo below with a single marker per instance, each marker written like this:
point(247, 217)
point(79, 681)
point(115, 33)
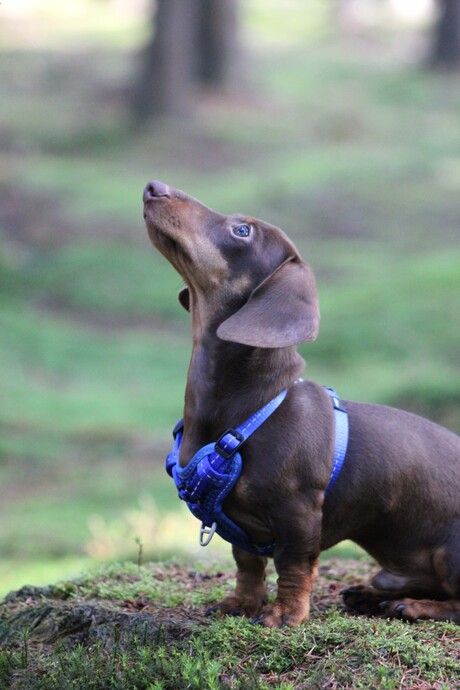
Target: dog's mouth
point(172, 250)
point(152, 209)
point(154, 197)
point(162, 241)
point(163, 223)
point(170, 217)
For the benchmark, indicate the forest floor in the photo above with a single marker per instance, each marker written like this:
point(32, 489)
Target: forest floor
point(146, 627)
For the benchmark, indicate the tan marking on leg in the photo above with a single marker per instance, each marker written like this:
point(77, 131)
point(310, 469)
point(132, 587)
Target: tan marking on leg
point(292, 604)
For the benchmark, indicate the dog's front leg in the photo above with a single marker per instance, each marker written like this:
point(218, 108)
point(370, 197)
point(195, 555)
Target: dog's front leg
point(251, 593)
point(295, 583)
point(296, 561)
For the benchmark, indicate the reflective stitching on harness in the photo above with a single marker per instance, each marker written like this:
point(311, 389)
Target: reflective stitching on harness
point(209, 477)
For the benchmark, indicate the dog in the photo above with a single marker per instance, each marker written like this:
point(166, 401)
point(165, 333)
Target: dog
point(252, 300)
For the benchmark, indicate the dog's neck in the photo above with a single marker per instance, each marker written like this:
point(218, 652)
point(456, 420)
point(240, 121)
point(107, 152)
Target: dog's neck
point(227, 382)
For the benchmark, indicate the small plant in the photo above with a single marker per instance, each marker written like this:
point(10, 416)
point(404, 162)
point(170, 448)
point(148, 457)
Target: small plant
point(139, 551)
point(25, 649)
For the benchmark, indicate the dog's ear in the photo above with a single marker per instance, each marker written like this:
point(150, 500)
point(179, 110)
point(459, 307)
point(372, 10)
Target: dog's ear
point(184, 298)
point(283, 310)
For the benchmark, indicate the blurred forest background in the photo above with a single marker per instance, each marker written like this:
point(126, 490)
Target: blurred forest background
point(338, 120)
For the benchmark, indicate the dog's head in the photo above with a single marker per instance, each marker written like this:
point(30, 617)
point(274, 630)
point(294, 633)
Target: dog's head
point(244, 277)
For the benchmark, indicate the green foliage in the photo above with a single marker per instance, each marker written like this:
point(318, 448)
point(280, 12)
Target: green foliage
point(105, 278)
point(66, 378)
point(384, 332)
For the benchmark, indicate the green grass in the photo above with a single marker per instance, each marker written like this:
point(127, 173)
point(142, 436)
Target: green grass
point(93, 276)
point(147, 630)
point(77, 380)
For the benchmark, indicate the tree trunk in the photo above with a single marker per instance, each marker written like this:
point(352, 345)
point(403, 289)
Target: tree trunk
point(165, 82)
point(217, 41)
point(446, 47)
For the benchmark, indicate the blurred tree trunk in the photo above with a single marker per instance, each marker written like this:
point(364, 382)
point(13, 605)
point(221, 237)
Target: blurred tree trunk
point(164, 83)
point(446, 46)
point(217, 42)
point(192, 42)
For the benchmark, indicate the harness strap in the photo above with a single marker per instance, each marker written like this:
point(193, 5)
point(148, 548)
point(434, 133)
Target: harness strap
point(341, 438)
point(232, 439)
point(209, 476)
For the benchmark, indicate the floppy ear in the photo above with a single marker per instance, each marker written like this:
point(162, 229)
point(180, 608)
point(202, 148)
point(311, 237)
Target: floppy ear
point(283, 310)
point(184, 298)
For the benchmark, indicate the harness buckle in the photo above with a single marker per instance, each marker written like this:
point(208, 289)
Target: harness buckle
point(228, 447)
point(336, 402)
point(207, 533)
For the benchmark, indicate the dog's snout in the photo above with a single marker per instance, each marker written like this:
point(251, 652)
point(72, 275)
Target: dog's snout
point(155, 189)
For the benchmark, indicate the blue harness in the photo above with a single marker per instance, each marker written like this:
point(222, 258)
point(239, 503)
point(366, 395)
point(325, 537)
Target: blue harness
point(208, 478)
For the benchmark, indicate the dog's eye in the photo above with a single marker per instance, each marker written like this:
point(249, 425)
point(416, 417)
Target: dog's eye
point(242, 230)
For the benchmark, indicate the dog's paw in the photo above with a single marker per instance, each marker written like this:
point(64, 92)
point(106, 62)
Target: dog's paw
point(282, 616)
point(413, 609)
point(362, 599)
point(249, 606)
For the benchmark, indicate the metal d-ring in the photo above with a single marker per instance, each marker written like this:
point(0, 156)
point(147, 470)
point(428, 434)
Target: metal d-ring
point(207, 533)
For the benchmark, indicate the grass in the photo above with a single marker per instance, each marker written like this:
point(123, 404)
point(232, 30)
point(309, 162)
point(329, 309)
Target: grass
point(354, 154)
point(107, 270)
point(148, 630)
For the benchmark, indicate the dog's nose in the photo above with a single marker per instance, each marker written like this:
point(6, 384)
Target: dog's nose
point(155, 189)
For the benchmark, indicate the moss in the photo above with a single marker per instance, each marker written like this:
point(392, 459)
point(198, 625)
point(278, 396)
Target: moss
point(120, 627)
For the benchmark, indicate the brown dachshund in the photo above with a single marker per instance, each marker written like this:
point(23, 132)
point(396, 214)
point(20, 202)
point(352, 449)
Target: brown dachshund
point(252, 299)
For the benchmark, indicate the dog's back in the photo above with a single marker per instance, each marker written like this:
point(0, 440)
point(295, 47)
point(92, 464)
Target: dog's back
point(403, 471)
